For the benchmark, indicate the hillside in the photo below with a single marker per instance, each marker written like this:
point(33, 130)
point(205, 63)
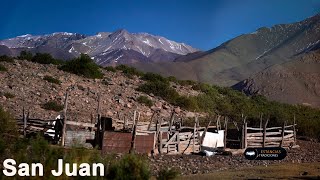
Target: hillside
point(245, 55)
point(40, 88)
point(25, 81)
point(294, 82)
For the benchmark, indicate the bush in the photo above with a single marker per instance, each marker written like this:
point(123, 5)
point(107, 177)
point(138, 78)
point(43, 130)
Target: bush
point(83, 66)
point(25, 55)
point(8, 125)
point(45, 58)
point(129, 167)
point(161, 89)
point(6, 58)
point(110, 68)
point(152, 77)
point(189, 103)
point(129, 71)
point(53, 106)
point(186, 82)
point(145, 100)
point(9, 95)
point(168, 174)
point(52, 80)
point(172, 79)
point(2, 68)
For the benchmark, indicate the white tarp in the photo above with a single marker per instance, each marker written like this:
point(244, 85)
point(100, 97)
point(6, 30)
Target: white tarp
point(213, 140)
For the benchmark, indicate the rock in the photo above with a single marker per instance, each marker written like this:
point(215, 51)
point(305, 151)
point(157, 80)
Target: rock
point(154, 108)
point(190, 114)
point(158, 104)
point(120, 101)
point(177, 110)
point(165, 106)
point(128, 105)
point(109, 113)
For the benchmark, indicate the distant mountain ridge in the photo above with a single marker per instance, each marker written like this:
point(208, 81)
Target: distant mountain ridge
point(119, 47)
point(245, 55)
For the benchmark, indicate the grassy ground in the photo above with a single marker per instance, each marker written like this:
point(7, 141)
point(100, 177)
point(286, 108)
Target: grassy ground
point(278, 171)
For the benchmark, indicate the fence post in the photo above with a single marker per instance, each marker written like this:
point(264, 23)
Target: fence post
point(194, 136)
point(64, 118)
point(294, 130)
point(282, 134)
point(151, 119)
point(264, 133)
point(260, 122)
point(245, 135)
point(225, 132)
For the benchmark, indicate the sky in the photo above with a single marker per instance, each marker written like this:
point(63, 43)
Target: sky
point(203, 24)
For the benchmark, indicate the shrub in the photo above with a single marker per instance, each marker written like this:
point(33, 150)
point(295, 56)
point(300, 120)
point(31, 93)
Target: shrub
point(172, 79)
point(145, 100)
point(110, 68)
point(27, 55)
point(83, 66)
point(168, 174)
point(129, 167)
point(6, 58)
point(53, 106)
point(189, 103)
point(45, 58)
point(152, 77)
point(8, 125)
point(161, 89)
point(52, 80)
point(186, 82)
point(2, 68)
point(9, 95)
point(129, 71)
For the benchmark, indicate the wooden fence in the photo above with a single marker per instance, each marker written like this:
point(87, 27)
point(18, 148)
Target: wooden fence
point(284, 136)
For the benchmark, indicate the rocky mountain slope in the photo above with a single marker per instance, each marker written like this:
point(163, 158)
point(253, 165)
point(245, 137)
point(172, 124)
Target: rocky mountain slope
point(245, 55)
point(294, 82)
point(24, 85)
point(119, 47)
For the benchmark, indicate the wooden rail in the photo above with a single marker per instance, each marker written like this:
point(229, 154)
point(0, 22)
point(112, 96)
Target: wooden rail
point(269, 137)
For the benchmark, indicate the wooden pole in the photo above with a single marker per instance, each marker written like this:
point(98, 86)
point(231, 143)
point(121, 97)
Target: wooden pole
point(64, 118)
point(282, 134)
point(260, 122)
point(245, 135)
point(151, 119)
point(134, 118)
point(178, 142)
point(134, 132)
point(294, 130)
point(160, 136)
point(204, 133)
point(171, 121)
point(194, 137)
point(225, 132)
point(98, 108)
point(264, 133)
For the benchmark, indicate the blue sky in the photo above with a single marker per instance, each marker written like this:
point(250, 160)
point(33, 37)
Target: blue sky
point(203, 24)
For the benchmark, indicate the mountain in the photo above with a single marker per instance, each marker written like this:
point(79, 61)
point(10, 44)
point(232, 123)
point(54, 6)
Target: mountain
point(294, 82)
point(120, 47)
point(245, 55)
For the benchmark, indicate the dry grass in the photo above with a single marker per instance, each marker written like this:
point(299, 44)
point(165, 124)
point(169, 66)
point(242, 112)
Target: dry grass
point(278, 171)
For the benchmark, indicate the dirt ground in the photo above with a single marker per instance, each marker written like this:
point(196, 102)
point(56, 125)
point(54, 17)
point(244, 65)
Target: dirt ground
point(307, 154)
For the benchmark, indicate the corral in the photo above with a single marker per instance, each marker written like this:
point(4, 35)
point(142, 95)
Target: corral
point(159, 135)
